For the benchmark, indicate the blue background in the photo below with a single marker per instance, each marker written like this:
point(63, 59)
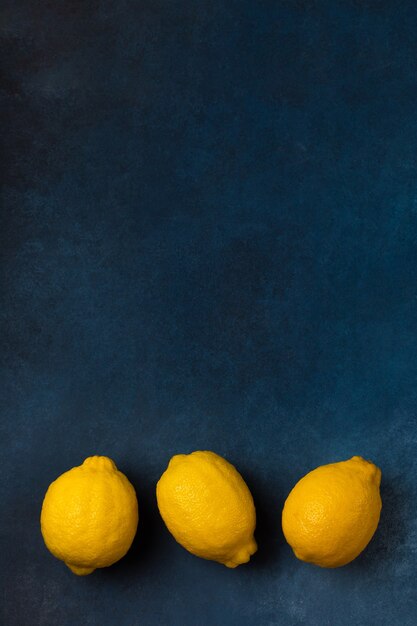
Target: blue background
point(209, 241)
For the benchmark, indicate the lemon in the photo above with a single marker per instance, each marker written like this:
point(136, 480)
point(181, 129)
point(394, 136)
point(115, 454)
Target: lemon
point(332, 513)
point(90, 515)
point(208, 508)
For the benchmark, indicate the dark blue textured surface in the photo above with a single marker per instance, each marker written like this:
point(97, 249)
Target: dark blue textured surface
point(209, 241)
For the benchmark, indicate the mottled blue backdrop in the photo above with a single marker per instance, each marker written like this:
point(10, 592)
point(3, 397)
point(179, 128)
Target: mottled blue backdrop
point(208, 240)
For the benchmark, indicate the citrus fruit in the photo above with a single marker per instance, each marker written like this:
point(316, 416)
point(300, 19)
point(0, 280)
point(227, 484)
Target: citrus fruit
point(208, 508)
point(90, 515)
point(332, 513)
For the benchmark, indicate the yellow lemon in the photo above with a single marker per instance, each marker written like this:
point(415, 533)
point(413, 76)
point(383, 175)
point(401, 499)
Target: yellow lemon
point(90, 515)
point(332, 513)
point(208, 508)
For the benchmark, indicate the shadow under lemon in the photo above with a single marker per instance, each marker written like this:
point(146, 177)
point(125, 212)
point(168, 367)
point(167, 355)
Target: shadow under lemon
point(387, 547)
point(269, 501)
point(147, 546)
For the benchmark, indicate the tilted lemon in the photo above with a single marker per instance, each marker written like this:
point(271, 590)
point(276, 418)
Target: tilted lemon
point(332, 513)
point(208, 508)
point(90, 515)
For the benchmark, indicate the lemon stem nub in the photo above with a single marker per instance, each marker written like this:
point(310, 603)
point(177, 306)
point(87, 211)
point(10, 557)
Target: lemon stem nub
point(80, 571)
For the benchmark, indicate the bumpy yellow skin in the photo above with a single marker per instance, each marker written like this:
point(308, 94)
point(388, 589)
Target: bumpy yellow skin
point(90, 515)
point(208, 508)
point(332, 513)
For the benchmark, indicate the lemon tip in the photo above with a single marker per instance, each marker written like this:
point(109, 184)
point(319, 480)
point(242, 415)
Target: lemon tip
point(79, 570)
